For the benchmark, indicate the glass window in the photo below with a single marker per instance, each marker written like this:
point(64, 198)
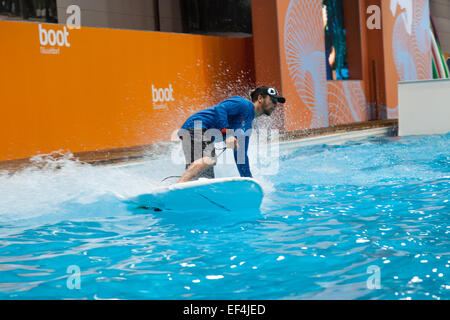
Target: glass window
point(37, 10)
point(226, 16)
point(335, 40)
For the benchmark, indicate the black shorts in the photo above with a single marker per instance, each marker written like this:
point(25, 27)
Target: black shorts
point(196, 146)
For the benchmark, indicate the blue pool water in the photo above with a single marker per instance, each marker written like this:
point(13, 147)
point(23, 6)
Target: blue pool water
point(334, 220)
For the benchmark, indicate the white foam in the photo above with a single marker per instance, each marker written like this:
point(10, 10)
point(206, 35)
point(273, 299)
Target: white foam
point(51, 182)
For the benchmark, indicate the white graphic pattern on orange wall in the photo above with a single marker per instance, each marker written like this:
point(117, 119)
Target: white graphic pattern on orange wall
point(347, 102)
point(411, 42)
point(305, 57)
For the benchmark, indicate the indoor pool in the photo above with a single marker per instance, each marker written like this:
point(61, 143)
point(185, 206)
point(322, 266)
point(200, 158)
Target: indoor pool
point(367, 219)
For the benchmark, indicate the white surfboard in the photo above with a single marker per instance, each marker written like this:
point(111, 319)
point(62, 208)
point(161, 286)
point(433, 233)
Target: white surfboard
point(224, 194)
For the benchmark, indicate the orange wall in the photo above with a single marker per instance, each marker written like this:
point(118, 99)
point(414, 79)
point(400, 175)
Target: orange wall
point(373, 62)
point(312, 101)
point(407, 46)
point(267, 52)
point(303, 63)
point(97, 93)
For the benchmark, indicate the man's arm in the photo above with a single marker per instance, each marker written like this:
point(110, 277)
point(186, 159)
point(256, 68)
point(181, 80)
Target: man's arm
point(225, 110)
point(243, 168)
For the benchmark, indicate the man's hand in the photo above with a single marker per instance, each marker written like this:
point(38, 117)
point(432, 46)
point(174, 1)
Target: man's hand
point(232, 143)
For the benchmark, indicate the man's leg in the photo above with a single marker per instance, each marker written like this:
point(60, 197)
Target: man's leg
point(209, 156)
point(199, 161)
point(197, 168)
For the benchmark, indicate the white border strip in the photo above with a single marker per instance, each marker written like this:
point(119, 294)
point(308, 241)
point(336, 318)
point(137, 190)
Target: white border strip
point(336, 138)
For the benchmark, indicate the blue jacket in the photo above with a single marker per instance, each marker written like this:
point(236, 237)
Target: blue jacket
point(235, 113)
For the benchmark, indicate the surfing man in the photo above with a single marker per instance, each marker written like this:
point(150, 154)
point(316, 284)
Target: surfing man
point(230, 120)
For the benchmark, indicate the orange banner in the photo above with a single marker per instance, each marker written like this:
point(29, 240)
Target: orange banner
point(94, 89)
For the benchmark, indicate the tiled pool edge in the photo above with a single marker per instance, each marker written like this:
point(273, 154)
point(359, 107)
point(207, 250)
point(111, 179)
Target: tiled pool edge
point(138, 154)
point(338, 138)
